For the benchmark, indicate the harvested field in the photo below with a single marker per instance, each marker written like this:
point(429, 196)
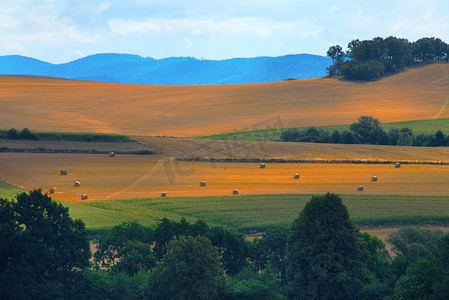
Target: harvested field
point(73, 147)
point(44, 104)
point(223, 149)
point(134, 176)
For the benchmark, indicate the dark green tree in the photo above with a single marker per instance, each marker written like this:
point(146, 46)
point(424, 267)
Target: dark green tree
point(232, 247)
point(423, 50)
point(368, 50)
point(335, 137)
point(42, 250)
point(26, 134)
point(13, 134)
point(189, 270)
point(337, 55)
point(439, 139)
point(346, 137)
point(420, 281)
point(362, 70)
point(271, 251)
point(397, 52)
point(251, 284)
point(121, 244)
point(290, 135)
point(382, 138)
point(167, 230)
point(351, 46)
point(405, 137)
point(393, 134)
point(325, 259)
point(367, 128)
point(423, 140)
point(133, 257)
point(415, 242)
point(163, 234)
point(382, 278)
point(444, 255)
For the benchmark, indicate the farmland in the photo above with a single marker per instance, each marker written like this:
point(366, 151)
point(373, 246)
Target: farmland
point(257, 212)
point(133, 176)
point(44, 104)
point(74, 147)
point(230, 149)
point(128, 187)
point(429, 126)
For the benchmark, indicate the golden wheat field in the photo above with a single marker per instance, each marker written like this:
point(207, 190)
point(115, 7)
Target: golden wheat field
point(44, 104)
point(129, 176)
point(223, 149)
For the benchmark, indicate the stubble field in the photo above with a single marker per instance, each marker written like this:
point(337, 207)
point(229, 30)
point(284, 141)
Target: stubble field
point(133, 176)
point(44, 104)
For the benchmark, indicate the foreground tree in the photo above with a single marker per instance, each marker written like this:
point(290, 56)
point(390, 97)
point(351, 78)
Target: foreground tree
point(325, 260)
point(417, 243)
point(422, 280)
point(125, 248)
point(190, 270)
point(270, 251)
point(42, 249)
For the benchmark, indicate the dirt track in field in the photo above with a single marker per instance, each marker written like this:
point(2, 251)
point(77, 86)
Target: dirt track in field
point(44, 104)
point(131, 176)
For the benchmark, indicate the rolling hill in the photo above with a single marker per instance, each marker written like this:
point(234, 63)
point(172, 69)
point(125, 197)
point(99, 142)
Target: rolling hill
point(50, 104)
point(134, 69)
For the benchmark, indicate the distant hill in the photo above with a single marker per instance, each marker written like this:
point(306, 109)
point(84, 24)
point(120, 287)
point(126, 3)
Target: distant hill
point(127, 68)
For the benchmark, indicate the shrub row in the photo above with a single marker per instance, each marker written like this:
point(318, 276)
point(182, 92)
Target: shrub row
point(26, 134)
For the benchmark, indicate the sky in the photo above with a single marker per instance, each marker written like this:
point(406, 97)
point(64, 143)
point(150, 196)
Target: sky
point(60, 31)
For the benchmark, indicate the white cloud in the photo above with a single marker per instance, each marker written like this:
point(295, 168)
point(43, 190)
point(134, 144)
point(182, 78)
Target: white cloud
point(251, 26)
point(122, 27)
point(61, 29)
point(188, 42)
point(49, 29)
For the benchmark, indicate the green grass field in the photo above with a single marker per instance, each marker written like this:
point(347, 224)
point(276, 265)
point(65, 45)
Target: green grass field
point(257, 212)
point(429, 126)
point(253, 212)
point(8, 191)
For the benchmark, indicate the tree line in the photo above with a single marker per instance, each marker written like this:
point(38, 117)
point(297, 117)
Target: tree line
point(367, 130)
point(26, 134)
point(44, 254)
point(372, 59)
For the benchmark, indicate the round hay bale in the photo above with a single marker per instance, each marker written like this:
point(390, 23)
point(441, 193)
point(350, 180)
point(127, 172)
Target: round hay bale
point(51, 191)
point(163, 194)
point(203, 183)
point(77, 184)
point(296, 176)
point(63, 172)
point(360, 188)
point(111, 154)
point(235, 192)
point(374, 178)
point(397, 165)
point(83, 197)
point(262, 166)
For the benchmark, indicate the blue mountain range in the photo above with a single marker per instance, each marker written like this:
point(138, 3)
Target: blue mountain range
point(128, 68)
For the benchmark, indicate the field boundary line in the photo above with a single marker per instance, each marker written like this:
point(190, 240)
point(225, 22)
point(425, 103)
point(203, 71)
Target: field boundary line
point(318, 161)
